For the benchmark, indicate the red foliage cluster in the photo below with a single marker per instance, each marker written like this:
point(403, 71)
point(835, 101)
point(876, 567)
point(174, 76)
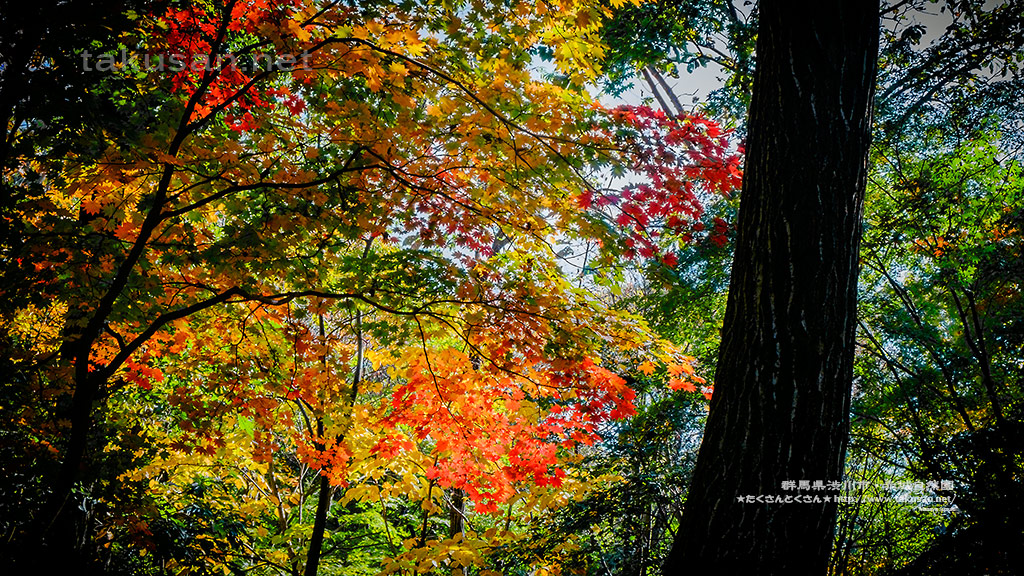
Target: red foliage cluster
point(213, 56)
point(677, 159)
point(485, 437)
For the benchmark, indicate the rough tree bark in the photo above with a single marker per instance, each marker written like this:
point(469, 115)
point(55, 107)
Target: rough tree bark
point(782, 387)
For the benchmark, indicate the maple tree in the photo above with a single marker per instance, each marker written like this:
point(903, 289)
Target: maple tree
point(322, 288)
point(309, 191)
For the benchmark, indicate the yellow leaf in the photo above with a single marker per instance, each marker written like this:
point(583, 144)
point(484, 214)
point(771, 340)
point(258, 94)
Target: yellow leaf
point(300, 33)
point(398, 69)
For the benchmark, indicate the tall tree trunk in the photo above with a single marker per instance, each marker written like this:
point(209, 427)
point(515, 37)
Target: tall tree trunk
point(782, 389)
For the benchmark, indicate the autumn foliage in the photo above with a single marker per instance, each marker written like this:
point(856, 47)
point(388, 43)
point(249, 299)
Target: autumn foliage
point(344, 263)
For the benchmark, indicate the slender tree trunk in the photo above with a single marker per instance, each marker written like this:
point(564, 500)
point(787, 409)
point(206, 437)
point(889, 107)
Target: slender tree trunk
point(457, 513)
point(457, 521)
point(645, 71)
point(323, 505)
point(61, 519)
point(782, 389)
point(669, 92)
point(323, 501)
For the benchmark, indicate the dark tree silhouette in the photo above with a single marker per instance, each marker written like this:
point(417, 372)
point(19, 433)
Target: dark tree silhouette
point(782, 391)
